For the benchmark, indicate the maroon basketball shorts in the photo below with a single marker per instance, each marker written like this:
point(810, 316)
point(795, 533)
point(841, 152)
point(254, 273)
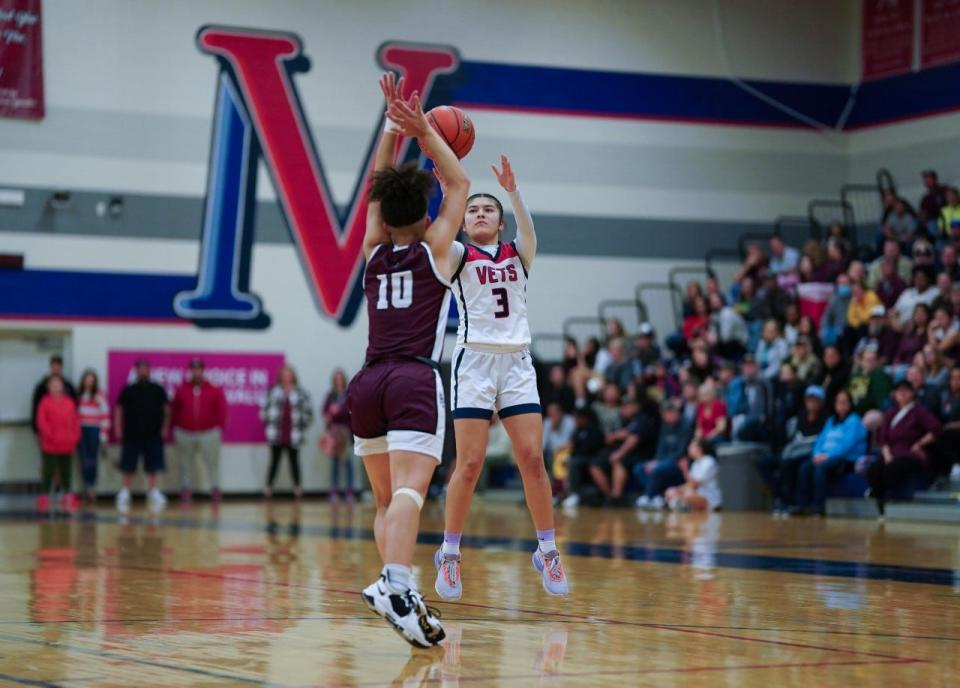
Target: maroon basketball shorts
point(397, 406)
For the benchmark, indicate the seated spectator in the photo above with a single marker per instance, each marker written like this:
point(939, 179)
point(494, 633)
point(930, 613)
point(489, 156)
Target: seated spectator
point(620, 371)
point(836, 374)
point(947, 453)
point(787, 401)
point(696, 324)
point(779, 471)
point(701, 489)
point(858, 312)
point(901, 224)
point(773, 299)
point(869, 385)
point(747, 305)
point(807, 328)
point(932, 202)
point(558, 390)
point(837, 232)
point(930, 396)
point(645, 349)
point(835, 264)
point(607, 407)
point(772, 350)
point(694, 292)
point(902, 267)
point(834, 320)
point(948, 262)
point(942, 330)
point(936, 366)
point(754, 264)
point(572, 358)
point(588, 441)
point(711, 420)
point(791, 323)
point(701, 366)
point(783, 258)
point(660, 383)
point(663, 470)
point(634, 440)
point(808, 367)
point(879, 336)
point(890, 285)
point(908, 431)
point(842, 441)
point(689, 392)
point(857, 272)
point(749, 403)
point(728, 330)
point(923, 255)
point(815, 254)
point(950, 214)
point(558, 429)
point(805, 269)
point(945, 289)
point(923, 291)
point(912, 340)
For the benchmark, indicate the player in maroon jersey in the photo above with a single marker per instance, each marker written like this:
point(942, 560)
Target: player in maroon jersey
point(396, 401)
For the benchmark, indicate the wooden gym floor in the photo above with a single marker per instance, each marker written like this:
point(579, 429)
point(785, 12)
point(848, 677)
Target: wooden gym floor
point(268, 596)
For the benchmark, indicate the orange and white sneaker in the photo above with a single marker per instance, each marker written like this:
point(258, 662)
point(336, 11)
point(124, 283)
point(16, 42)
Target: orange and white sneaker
point(449, 584)
point(549, 566)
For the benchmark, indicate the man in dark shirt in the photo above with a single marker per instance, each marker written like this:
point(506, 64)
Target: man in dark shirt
point(40, 391)
point(663, 470)
point(634, 440)
point(588, 440)
point(142, 419)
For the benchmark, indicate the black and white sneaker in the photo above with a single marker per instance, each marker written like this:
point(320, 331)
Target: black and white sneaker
point(406, 612)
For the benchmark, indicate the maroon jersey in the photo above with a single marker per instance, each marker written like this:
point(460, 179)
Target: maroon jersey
point(407, 303)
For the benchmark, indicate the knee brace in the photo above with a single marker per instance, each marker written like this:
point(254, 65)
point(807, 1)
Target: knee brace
point(412, 494)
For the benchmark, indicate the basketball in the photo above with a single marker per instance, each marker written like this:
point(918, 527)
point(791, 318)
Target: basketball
point(455, 127)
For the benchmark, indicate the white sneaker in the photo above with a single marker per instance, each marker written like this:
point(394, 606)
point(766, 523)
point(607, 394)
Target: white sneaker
point(643, 502)
point(677, 504)
point(657, 503)
point(406, 612)
point(123, 501)
point(157, 500)
point(571, 502)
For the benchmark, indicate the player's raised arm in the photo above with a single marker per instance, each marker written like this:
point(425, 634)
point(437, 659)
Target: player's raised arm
point(456, 185)
point(526, 236)
point(376, 232)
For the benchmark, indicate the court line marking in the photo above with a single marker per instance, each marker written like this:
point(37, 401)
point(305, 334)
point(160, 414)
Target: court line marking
point(640, 553)
point(28, 681)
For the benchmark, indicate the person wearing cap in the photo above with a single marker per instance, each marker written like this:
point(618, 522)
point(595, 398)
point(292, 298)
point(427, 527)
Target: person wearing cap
point(663, 470)
point(950, 213)
point(922, 291)
point(906, 435)
point(932, 202)
point(141, 421)
point(879, 336)
point(645, 349)
point(842, 441)
point(808, 367)
point(779, 471)
point(198, 414)
point(40, 390)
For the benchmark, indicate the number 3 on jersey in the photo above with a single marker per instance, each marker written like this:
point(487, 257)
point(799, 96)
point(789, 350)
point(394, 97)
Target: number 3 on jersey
point(502, 301)
point(400, 288)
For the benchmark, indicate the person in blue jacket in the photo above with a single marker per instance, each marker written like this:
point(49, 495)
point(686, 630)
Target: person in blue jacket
point(842, 441)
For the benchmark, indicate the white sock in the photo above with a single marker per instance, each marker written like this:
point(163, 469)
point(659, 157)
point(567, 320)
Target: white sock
point(399, 577)
point(548, 546)
point(451, 543)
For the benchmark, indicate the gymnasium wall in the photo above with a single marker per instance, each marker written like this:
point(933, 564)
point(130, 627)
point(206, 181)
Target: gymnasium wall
point(634, 150)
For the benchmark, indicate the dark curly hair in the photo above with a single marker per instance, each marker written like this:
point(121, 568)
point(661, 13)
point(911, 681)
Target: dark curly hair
point(402, 193)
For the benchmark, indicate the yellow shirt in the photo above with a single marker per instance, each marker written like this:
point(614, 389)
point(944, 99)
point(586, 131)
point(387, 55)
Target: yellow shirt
point(948, 215)
point(858, 314)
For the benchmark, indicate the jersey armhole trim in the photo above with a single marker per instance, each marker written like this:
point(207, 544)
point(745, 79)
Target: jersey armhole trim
point(433, 266)
point(463, 262)
point(523, 265)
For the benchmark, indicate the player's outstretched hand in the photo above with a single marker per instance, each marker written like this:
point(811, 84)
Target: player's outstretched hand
point(392, 89)
point(409, 117)
point(506, 178)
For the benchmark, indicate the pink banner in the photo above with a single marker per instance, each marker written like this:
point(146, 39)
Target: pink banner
point(245, 379)
point(21, 59)
point(887, 44)
point(940, 32)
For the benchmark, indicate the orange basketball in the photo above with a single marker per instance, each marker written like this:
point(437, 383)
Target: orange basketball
point(454, 127)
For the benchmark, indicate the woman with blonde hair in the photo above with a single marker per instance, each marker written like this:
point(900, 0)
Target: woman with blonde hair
point(286, 413)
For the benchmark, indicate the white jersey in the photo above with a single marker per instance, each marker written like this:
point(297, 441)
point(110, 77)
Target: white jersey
point(491, 290)
point(704, 471)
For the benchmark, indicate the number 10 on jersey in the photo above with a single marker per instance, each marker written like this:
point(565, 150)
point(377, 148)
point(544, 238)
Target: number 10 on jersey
point(400, 287)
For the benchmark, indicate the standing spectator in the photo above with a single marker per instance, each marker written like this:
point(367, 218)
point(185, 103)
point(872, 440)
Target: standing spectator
point(932, 202)
point(772, 350)
point(907, 432)
point(869, 385)
point(59, 431)
point(701, 489)
point(712, 423)
point(286, 414)
point(94, 414)
point(890, 285)
point(950, 214)
point(779, 472)
point(198, 414)
point(903, 267)
point(834, 319)
point(842, 441)
point(749, 403)
point(588, 440)
point(40, 391)
point(783, 258)
point(336, 437)
point(922, 291)
point(663, 470)
point(141, 421)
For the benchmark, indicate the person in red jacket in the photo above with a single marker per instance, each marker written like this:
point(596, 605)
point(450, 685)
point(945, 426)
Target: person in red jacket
point(198, 414)
point(58, 426)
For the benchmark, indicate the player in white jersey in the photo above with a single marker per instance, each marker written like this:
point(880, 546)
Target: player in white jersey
point(493, 372)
